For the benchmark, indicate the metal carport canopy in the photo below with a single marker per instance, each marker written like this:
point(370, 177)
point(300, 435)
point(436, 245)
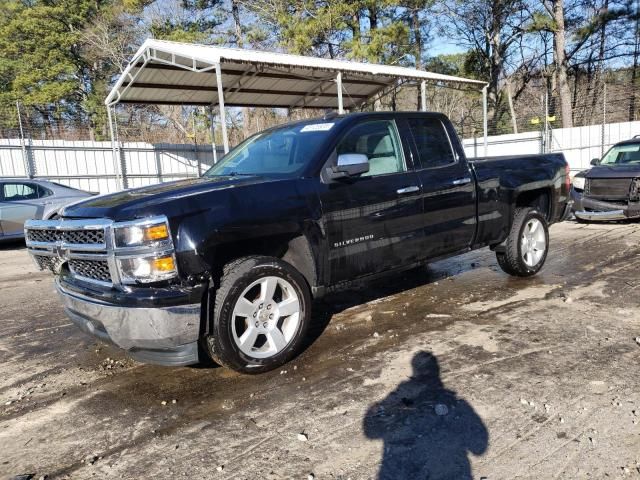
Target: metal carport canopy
point(173, 73)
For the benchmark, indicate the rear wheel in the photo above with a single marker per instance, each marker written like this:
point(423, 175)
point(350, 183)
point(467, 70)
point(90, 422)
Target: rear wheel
point(261, 315)
point(525, 250)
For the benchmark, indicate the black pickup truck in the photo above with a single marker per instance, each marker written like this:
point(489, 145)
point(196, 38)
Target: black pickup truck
point(228, 264)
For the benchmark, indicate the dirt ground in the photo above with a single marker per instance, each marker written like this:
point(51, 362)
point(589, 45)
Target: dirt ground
point(448, 372)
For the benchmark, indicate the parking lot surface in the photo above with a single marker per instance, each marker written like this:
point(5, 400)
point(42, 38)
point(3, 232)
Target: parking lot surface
point(450, 371)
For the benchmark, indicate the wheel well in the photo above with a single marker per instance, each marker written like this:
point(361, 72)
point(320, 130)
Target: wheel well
point(293, 249)
point(539, 199)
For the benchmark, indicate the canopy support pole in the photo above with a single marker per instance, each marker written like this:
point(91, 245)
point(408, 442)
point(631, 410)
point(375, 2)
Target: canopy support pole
point(223, 119)
point(423, 95)
point(213, 135)
point(339, 85)
point(484, 119)
point(114, 149)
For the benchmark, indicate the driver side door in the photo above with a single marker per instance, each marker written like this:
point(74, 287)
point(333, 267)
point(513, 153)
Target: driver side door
point(372, 221)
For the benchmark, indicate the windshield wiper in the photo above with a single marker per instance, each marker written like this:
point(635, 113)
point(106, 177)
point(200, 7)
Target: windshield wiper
point(233, 174)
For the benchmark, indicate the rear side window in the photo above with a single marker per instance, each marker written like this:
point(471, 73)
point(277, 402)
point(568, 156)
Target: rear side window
point(16, 192)
point(432, 142)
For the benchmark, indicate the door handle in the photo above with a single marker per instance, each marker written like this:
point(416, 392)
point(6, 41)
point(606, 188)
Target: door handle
point(462, 181)
point(410, 189)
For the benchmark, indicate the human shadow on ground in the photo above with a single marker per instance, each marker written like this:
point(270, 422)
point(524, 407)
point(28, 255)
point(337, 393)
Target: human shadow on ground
point(427, 430)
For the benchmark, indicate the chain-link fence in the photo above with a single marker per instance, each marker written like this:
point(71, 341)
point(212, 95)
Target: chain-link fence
point(155, 144)
point(602, 114)
point(39, 144)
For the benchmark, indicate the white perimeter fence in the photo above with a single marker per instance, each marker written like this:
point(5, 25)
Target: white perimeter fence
point(579, 144)
point(93, 166)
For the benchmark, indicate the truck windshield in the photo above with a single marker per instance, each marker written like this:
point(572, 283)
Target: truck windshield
point(284, 151)
point(622, 155)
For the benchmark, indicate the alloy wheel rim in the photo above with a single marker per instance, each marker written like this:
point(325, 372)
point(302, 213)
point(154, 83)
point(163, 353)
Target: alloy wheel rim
point(266, 317)
point(533, 242)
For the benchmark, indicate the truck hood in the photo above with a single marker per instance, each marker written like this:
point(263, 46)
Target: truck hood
point(605, 171)
point(153, 199)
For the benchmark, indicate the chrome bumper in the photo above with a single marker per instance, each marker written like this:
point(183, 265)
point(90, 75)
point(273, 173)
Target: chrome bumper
point(602, 216)
point(591, 209)
point(163, 335)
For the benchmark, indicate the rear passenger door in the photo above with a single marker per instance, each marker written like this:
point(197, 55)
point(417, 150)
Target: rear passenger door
point(448, 187)
point(372, 223)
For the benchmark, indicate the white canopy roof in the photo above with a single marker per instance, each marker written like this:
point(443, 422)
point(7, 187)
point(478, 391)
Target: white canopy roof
point(173, 73)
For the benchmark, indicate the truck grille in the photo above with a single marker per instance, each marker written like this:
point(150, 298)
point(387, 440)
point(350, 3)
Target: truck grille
point(76, 237)
point(80, 244)
point(87, 249)
point(92, 269)
point(46, 262)
point(614, 188)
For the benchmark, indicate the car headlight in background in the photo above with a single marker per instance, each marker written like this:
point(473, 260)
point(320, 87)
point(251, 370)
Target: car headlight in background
point(578, 183)
point(147, 269)
point(140, 235)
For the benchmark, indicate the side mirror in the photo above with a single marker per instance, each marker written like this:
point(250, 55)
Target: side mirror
point(350, 165)
point(595, 161)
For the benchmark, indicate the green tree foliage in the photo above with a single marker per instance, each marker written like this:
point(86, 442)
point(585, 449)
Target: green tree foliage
point(62, 56)
point(190, 21)
point(381, 31)
point(466, 65)
point(46, 62)
point(41, 61)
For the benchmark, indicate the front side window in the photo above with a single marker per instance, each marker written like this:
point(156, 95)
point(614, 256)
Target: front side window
point(378, 140)
point(622, 155)
point(16, 192)
point(432, 142)
point(284, 151)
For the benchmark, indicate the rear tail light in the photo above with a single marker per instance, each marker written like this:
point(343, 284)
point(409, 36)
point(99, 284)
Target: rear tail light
point(567, 178)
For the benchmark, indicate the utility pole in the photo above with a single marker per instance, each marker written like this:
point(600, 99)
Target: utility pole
point(23, 146)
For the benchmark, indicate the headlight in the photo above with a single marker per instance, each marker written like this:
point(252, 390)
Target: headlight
point(144, 251)
point(578, 183)
point(141, 235)
point(147, 269)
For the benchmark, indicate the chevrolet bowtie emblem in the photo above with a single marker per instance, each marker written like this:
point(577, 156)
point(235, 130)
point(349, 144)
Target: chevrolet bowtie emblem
point(61, 252)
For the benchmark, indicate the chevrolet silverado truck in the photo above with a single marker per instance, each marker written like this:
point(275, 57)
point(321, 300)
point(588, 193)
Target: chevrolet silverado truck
point(610, 190)
point(228, 265)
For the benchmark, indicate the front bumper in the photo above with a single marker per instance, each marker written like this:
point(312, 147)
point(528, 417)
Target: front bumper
point(165, 335)
point(589, 209)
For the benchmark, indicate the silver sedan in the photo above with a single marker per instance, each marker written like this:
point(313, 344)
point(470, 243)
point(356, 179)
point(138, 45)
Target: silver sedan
point(21, 199)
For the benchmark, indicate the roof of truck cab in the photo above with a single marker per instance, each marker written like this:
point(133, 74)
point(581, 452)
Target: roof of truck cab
point(335, 118)
point(631, 141)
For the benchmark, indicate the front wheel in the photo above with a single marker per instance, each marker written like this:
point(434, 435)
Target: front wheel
point(261, 315)
point(525, 249)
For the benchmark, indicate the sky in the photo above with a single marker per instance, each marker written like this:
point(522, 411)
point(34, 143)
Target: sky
point(441, 46)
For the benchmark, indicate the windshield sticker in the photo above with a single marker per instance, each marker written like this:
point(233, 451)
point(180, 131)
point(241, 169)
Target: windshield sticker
point(317, 127)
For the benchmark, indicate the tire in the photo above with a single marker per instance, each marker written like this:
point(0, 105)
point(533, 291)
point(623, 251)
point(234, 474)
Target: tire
point(523, 256)
point(257, 325)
